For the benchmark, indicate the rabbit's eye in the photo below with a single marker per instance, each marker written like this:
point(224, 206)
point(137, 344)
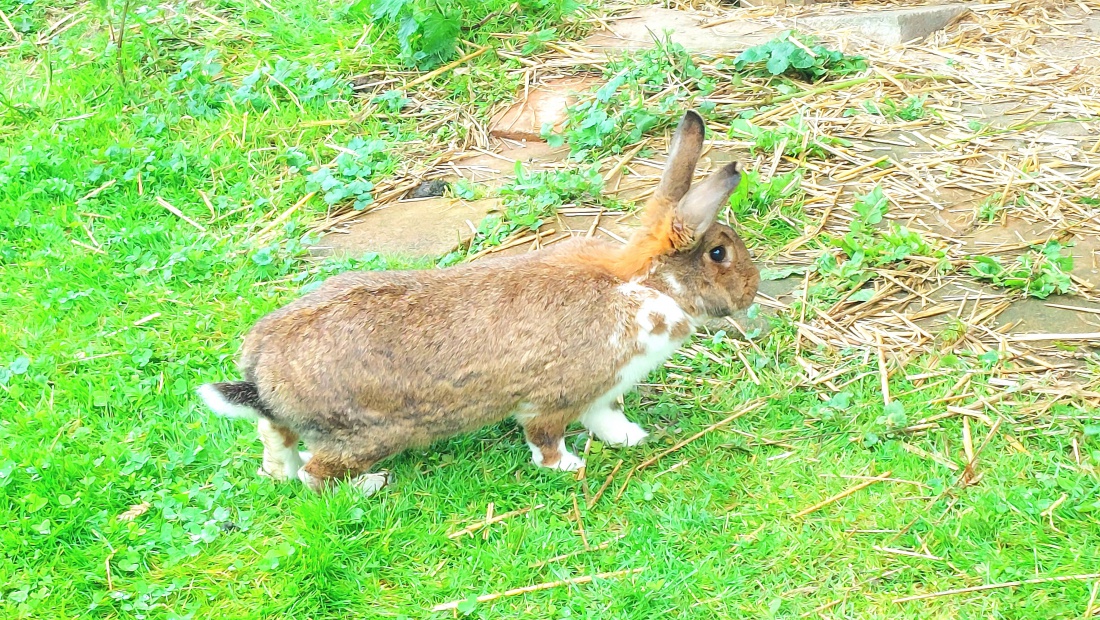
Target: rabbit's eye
point(718, 254)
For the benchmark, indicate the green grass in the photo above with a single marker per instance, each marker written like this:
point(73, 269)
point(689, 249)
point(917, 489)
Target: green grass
point(100, 352)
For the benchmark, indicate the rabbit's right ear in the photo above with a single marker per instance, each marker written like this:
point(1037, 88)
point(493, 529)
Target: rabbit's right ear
point(687, 146)
point(699, 208)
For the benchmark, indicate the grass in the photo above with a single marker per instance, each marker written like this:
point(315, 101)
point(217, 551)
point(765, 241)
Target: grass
point(116, 308)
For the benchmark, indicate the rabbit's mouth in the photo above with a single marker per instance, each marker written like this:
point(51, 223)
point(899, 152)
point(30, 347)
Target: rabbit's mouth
point(717, 312)
point(715, 309)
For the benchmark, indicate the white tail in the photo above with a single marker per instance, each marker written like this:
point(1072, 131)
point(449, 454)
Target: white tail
point(219, 404)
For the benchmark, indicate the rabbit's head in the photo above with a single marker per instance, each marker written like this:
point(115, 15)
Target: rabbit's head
point(681, 248)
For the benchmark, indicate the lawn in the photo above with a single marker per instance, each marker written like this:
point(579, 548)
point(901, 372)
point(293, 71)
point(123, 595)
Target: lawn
point(144, 227)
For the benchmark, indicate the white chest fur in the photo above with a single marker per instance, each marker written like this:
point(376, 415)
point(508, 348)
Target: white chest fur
point(656, 320)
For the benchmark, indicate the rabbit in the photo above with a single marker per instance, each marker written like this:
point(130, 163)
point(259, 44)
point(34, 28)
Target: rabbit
point(373, 363)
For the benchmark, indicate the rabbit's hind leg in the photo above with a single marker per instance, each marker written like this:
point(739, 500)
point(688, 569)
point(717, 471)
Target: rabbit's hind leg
point(546, 437)
point(328, 466)
point(281, 457)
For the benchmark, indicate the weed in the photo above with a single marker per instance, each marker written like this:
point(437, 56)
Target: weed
point(793, 137)
point(428, 35)
point(798, 56)
point(393, 101)
point(290, 81)
point(428, 32)
point(953, 331)
point(865, 247)
point(466, 190)
point(205, 90)
point(527, 202)
point(198, 81)
point(768, 211)
point(1041, 272)
point(835, 406)
point(619, 113)
point(350, 178)
point(911, 109)
point(536, 41)
point(990, 208)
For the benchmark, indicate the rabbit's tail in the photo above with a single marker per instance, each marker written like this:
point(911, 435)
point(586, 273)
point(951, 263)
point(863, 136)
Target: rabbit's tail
point(233, 399)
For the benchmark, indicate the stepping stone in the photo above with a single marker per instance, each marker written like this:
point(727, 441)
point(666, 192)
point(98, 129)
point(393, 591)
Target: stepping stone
point(430, 227)
point(887, 26)
point(546, 104)
point(1036, 316)
point(636, 30)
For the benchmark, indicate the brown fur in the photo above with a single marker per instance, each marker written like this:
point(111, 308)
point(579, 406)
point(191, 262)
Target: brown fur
point(373, 363)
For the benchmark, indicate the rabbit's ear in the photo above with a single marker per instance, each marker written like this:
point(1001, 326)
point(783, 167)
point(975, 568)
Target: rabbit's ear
point(697, 210)
point(687, 145)
point(668, 222)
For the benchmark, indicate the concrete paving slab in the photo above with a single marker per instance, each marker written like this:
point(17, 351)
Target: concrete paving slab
point(887, 26)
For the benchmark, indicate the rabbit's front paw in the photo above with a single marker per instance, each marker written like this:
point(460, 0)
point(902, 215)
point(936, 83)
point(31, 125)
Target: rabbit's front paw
point(629, 434)
point(612, 427)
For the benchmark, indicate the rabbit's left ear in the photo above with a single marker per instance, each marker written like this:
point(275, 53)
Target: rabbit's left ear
point(698, 209)
point(683, 154)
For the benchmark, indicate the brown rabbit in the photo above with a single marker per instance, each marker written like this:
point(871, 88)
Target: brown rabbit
point(373, 363)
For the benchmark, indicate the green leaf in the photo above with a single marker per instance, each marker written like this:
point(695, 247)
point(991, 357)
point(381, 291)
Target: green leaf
point(872, 206)
point(753, 54)
point(33, 502)
point(386, 9)
point(439, 37)
point(467, 606)
point(800, 59)
point(645, 121)
point(840, 401)
point(263, 257)
point(895, 414)
point(864, 294)
point(777, 64)
point(608, 90)
point(19, 365)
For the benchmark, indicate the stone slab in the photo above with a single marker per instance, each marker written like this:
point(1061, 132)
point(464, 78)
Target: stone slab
point(887, 26)
point(429, 227)
point(545, 104)
point(1037, 316)
point(636, 30)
